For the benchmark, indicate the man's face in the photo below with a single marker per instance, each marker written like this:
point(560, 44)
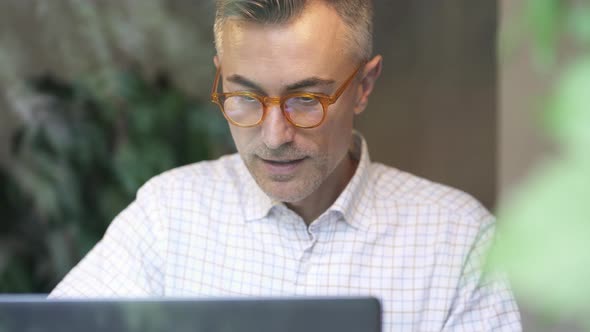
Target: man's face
point(308, 55)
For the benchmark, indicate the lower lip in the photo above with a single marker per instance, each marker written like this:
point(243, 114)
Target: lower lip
point(282, 168)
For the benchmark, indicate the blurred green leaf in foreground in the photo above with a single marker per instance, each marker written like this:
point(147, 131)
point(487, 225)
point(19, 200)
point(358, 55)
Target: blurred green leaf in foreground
point(545, 225)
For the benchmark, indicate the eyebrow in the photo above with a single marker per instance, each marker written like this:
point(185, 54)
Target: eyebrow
point(306, 83)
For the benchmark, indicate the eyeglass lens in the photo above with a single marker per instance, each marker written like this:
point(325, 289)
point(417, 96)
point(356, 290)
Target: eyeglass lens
point(305, 111)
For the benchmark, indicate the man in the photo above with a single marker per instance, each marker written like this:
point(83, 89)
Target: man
point(301, 210)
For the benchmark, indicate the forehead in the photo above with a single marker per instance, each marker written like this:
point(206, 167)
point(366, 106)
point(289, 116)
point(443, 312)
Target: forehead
point(311, 43)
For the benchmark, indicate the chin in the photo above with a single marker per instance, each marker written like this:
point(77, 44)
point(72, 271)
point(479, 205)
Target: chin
point(285, 196)
point(287, 192)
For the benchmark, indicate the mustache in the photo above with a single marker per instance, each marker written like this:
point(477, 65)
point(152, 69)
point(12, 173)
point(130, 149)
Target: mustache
point(284, 152)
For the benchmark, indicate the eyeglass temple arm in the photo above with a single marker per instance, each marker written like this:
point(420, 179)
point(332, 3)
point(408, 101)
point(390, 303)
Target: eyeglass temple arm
point(345, 85)
point(214, 96)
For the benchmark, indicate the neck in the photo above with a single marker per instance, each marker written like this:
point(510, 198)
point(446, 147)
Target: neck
point(310, 208)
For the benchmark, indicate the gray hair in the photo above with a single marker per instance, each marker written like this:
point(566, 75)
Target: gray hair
point(356, 14)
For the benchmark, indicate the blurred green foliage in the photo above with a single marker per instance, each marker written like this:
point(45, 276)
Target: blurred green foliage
point(545, 225)
point(83, 150)
point(107, 122)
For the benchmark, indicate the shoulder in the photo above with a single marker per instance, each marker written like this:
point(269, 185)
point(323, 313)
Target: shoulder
point(222, 170)
point(393, 187)
point(217, 169)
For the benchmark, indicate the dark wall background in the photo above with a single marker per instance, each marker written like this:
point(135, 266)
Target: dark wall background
point(434, 110)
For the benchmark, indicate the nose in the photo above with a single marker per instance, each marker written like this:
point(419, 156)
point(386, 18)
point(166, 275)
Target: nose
point(276, 129)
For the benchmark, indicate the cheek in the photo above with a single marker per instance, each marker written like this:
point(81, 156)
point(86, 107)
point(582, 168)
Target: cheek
point(339, 127)
point(339, 134)
point(330, 146)
point(242, 137)
point(341, 114)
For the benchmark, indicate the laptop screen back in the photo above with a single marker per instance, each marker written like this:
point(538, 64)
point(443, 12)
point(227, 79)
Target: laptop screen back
point(195, 315)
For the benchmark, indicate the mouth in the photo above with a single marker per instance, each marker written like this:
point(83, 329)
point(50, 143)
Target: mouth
point(282, 162)
point(282, 167)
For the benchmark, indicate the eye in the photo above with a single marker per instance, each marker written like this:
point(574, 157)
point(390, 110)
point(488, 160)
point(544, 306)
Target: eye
point(304, 100)
point(248, 99)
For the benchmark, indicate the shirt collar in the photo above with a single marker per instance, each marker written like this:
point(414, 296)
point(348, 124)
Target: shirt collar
point(353, 203)
point(256, 203)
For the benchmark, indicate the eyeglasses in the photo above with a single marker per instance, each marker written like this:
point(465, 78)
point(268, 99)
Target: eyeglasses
point(302, 109)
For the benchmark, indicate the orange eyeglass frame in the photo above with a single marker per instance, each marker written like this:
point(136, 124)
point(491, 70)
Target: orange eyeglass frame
point(266, 101)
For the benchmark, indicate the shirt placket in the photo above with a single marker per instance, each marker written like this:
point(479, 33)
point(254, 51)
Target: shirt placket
point(306, 276)
point(302, 286)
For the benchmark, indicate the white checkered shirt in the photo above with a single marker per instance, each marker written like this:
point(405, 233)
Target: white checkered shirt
point(207, 230)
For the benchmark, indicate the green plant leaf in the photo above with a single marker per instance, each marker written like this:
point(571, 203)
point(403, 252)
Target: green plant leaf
point(544, 17)
point(104, 137)
point(579, 23)
point(544, 243)
point(568, 117)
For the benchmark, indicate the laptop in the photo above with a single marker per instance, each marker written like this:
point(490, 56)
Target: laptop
point(34, 313)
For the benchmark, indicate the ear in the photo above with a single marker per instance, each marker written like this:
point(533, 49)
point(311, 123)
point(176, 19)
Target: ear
point(370, 73)
point(216, 61)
